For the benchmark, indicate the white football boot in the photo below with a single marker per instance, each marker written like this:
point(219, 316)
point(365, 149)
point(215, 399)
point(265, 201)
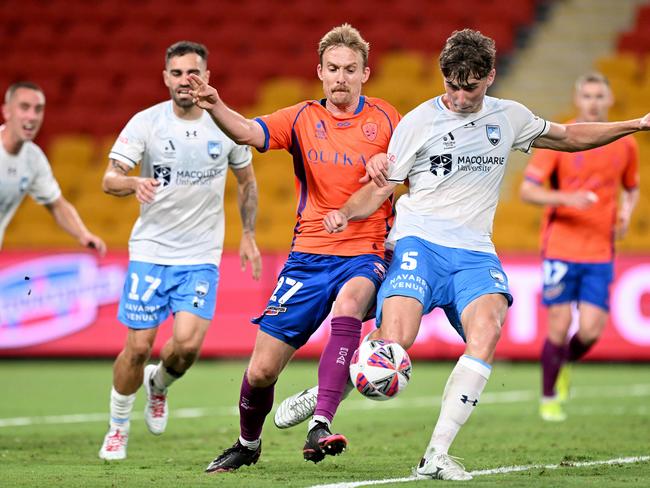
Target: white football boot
point(442, 467)
point(296, 409)
point(156, 412)
point(114, 446)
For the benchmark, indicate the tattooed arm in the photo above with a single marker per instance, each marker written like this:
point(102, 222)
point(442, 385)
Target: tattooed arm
point(247, 200)
point(117, 182)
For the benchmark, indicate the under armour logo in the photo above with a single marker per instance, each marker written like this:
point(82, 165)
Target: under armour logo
point(465, 399)
point(190, 133)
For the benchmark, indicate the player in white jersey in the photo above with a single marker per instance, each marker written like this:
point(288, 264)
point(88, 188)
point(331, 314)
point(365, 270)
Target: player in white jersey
point(176, 243)
point(24, 169)
point(453, 150)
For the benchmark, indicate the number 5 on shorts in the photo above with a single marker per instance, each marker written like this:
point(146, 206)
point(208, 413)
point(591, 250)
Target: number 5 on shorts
point(408, 260)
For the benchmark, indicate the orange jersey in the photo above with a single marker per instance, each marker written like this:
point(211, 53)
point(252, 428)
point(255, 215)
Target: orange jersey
point(585, 235)
point(329, 156)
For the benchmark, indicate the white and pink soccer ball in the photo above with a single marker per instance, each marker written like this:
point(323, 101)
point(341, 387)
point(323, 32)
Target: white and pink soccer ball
point(380, 369)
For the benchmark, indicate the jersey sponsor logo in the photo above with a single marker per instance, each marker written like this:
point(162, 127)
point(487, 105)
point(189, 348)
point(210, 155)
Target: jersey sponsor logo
point(370, 130)
point(440, 164)
point(321, 133)
point(479, 163)
point(553, 291)
point(272, 311)
point(379, 270)
point(493, 134)
point(162, 174)
point(317, 156)
point(214, 149)
point(448, 141)
point(197, 176)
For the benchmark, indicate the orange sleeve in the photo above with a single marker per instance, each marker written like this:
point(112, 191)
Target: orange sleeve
point(541, 165)
point(278, 125)
point(631, 173)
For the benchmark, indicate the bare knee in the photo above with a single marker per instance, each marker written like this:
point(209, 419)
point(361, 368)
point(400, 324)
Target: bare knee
point(261, 375)
point(138, 353)
point(351, 306)
point(482, 339)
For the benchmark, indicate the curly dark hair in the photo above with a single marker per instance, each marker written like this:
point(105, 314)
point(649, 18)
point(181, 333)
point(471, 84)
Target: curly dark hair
point(467, 53)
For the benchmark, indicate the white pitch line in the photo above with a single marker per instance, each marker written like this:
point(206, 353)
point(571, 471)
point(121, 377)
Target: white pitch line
point(513, 396)
point(502, 470)
point(186, 413)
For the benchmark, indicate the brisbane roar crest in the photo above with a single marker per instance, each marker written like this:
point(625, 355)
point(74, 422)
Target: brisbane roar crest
point(370, 130)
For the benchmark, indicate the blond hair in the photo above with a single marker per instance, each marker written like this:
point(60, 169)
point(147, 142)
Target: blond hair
point(344, 35)
point(593, 77)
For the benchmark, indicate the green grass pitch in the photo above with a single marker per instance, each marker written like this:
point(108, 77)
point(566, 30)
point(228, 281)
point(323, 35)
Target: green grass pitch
point(609, 417)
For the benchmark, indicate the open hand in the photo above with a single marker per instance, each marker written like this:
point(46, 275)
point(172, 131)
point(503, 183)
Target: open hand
point(203, 95)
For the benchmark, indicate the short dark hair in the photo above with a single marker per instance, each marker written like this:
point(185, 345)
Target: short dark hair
point(21, 84)
point(467, 53)
point(181, 48)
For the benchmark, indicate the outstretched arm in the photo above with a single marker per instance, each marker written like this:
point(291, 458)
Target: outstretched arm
point(247, 200)
point(68, 219)
point(539, 195)
point(359, 206)
point(588, 135)
point(236, 126)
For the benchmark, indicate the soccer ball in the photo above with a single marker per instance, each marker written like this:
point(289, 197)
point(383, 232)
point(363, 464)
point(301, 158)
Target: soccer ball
point(380, 369)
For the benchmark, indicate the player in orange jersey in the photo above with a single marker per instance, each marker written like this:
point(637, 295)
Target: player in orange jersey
point(330, 140)
point(581, 221)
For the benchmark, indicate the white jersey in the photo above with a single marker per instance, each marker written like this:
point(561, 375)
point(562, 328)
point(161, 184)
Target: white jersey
point(454, 164)
point(184, 225)
point(27, 172)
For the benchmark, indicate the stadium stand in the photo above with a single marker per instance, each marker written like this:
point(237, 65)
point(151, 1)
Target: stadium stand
point(107, 59)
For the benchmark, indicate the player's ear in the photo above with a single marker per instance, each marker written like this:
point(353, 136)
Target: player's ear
point(5, 112)
point(366, 74)
point(319, 71)
point(490, 77)
point(165, 78)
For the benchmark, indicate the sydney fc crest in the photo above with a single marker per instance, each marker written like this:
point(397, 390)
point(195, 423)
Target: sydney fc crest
point(493, 134)
point(214, 149)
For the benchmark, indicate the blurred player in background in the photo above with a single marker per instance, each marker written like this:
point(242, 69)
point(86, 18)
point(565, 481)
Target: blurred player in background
point(582, 220)
point(453, 150)
point(330, 140)
point(176, 243)
point(25, 169)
